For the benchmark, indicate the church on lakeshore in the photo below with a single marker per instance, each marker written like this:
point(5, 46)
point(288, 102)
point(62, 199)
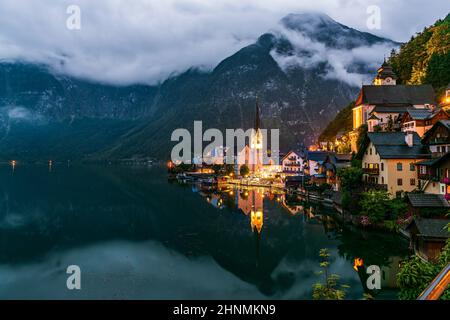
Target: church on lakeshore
point(254, 152)
point(383, 105)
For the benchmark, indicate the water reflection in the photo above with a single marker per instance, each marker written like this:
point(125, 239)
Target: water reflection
point(137, 236)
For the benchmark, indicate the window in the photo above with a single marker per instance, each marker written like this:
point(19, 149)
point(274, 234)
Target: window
point(399, 167)
point(400, 182)
point(382, 180)
point(370, 151)
point(413, 182)
point(412, 167)
point(382, 166)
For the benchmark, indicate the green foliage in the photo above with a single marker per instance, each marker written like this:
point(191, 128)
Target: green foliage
point(414, 276)
point(397, 208)
point(425, 58)
point(362, 135)
point(375, 204)
point(351, 178)
point(329, 290)
point(342, 122)
point(244, 171)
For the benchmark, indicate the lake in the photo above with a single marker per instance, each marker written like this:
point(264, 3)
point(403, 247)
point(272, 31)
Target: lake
point(134, 235)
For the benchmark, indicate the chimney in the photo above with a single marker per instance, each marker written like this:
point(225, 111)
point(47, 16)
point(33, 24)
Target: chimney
point(409, 139)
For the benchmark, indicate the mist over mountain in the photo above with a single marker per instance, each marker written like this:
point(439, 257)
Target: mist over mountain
point(304, 71)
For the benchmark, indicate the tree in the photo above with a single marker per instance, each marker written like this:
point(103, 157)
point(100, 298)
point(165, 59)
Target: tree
point(375, 204)
point(244, 171)
point(329, 289)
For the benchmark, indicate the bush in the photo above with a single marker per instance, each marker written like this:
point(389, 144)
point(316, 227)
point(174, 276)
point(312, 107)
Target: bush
point(375, 204)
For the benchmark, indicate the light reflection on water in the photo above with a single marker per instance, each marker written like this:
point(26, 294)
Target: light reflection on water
point(136, 236)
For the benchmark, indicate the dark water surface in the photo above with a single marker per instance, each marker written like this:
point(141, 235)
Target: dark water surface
point(136, 236)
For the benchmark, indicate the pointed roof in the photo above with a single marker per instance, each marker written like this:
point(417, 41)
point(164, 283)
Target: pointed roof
point(257, 116)
point(386, 71)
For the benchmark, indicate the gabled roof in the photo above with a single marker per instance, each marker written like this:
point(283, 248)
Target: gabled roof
point(431, 228)
point(427, 200)
point(420, 114)
point(298, 154)
point(398, 94)
point(429, 133)
point(392, 145)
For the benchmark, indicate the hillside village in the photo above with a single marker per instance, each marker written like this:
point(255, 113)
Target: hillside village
point(396, 158)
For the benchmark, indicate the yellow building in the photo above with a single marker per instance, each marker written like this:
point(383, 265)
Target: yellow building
point(389, 161)
point(381, 105)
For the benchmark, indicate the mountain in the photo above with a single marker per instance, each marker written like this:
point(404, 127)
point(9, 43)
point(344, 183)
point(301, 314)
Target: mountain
point(425, 59)
point(304, 72)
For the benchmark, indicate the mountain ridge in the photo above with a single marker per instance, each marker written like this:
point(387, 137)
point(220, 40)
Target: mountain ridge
point(291, 97)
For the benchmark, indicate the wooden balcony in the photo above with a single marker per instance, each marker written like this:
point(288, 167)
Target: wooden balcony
point(372, 171)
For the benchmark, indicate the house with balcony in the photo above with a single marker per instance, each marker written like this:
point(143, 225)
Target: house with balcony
point(434, 176)
point(389, 161)
point(421, 120)
point(292, 163)
point(438, 138)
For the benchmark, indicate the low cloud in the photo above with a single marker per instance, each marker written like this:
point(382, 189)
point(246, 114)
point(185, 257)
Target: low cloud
point(342, 64)
point(146, 41)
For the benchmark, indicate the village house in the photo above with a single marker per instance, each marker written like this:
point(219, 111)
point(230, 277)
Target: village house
point(438, 138)
point(332, 164)
point(381, 106)
point(434, 176)
point(389, 160)
point(428, 237)
point(314, 160)
point(292, 163)
point(426, 205)
point(421, 120)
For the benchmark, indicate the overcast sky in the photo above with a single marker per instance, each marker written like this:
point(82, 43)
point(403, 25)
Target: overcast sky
point(145, 41)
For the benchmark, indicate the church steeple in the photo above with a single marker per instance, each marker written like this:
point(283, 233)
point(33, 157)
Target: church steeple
point(386, 75)
point(257, 116)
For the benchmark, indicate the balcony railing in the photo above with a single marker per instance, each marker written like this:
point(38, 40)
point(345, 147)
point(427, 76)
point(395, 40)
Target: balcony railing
point(372, 171)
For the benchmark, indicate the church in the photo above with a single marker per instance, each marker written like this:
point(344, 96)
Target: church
point(254, 152)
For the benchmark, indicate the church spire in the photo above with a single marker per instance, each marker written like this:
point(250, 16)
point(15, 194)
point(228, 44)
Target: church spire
point(257, 116)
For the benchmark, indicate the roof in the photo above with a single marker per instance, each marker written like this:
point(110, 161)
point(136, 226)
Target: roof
point(373, 117)
point(435, 161)
point(386, 71)
point(344, 156)
point(420, 114)
point(318, 156)
point(393, 108)
point(392, 145)
point(427, 200)
point(431, 228)
point(429, 133)
point(398, 94)
point(298, 154)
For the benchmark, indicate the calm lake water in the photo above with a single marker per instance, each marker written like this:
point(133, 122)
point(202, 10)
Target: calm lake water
point(137, 236)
